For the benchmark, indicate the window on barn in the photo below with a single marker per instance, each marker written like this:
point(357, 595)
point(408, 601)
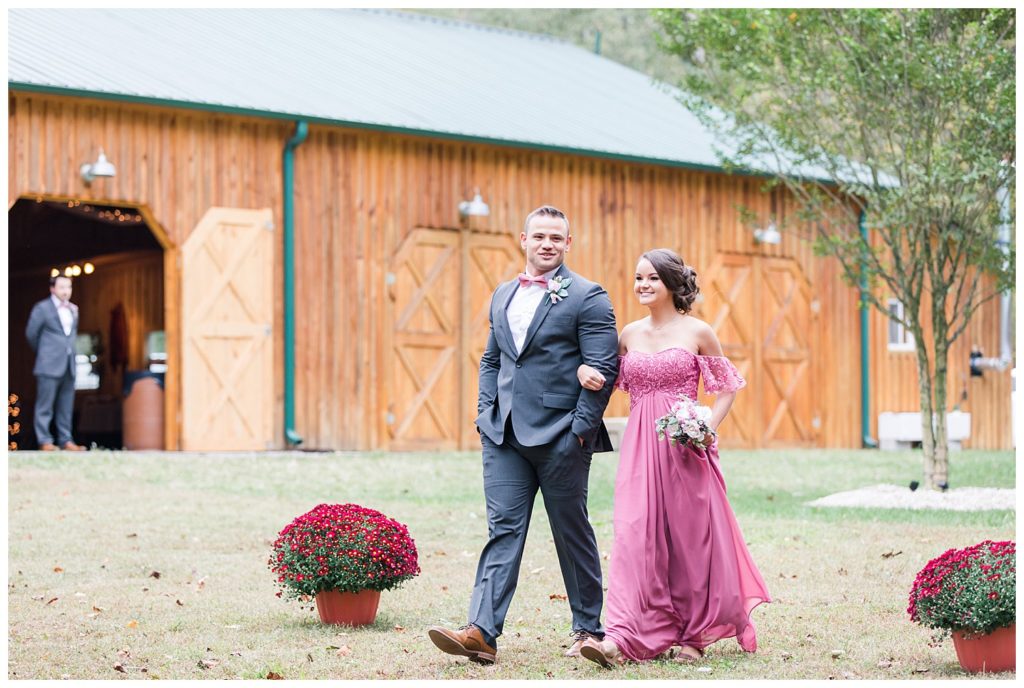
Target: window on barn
point(899, 338)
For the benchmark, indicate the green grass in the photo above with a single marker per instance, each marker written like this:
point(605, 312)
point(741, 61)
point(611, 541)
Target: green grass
point(109, 520)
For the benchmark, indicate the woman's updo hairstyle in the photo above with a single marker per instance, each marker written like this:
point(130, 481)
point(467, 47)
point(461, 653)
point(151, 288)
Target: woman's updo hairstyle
point(680, 279)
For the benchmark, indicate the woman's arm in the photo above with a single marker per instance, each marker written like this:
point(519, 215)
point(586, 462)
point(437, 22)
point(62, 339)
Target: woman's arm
point(708, 345)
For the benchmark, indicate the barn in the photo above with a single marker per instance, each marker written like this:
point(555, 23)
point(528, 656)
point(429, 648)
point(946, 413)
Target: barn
point(282, 233)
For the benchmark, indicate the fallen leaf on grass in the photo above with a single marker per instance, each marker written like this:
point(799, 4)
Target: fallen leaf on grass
point(52, 600)
point(118, 667)
point(557, 596)
point(200, 583)
point(131, 535)
point(154, 574)
point(836, 654)
point(274, 676)
point(344, 651)
point(236, 653)
point(536, 571)
point(207, 663)
point(885, 664)
point(124, 653)
point(786, 656)
point(132, 624)
point(57, 569)
point(179, 603)
point(890, 554)
point(309, 657)
point(37, 598)
point(704, 670)
point(441, 553)
point(919, 671)
point(400, 629)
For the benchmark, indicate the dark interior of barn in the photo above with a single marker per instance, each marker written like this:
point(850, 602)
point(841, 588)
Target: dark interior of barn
point(116, 266)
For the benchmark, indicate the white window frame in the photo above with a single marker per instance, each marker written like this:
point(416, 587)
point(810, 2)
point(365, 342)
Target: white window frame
point(897, 336)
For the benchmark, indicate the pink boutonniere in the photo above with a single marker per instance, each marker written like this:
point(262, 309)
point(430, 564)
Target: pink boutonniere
point(558, 288)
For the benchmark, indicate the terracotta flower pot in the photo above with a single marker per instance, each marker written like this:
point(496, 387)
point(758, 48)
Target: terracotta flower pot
point(349, 608)
point(993, 652)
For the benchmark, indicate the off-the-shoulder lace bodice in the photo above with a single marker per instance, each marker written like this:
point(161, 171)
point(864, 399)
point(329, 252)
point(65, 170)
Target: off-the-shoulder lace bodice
point(675, 371)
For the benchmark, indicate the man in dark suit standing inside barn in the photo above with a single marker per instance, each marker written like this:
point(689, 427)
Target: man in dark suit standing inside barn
point(51, 331)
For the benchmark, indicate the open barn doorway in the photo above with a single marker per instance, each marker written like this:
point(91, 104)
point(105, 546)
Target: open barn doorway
point(116, 255)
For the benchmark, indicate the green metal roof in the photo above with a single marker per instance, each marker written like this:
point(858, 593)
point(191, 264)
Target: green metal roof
point(367, 68)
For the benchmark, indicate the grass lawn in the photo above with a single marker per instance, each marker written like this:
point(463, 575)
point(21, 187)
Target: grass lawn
point(156, 563)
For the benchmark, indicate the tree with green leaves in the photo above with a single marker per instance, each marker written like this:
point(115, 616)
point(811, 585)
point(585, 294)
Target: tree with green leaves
point(902, 120)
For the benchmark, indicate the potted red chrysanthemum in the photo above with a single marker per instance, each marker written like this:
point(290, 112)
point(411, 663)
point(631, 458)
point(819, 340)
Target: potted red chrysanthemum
point(343, 555)
point(971, 594)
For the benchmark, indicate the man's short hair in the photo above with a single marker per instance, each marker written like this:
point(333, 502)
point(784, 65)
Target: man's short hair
point(54, 278)
point(549, 211)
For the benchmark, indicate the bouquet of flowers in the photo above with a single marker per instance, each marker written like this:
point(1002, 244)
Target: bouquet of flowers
point(344, 547)
point(972, 590)
point(687, 423)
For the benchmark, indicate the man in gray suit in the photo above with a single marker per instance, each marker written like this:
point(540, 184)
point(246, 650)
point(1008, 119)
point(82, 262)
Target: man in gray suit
point(51, 331)
point(539, 429)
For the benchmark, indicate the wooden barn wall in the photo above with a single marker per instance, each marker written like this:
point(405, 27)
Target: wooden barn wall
point(359, 194)
point(366, 191)
point(177, 163)
point(894, 375)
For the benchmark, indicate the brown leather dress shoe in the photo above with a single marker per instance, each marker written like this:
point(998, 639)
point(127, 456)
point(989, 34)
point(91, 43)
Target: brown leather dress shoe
point(578, 638)
point(71, 446)
point(48, 446)
point(466, 641)
point(604, 652)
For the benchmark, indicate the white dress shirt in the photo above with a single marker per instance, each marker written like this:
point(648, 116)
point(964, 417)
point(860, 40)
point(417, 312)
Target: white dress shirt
point(522, 307)
point(67, 318)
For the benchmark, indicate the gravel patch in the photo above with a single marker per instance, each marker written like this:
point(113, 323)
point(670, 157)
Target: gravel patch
point(902, 497)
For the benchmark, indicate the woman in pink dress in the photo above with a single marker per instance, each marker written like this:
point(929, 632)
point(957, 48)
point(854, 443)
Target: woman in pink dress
point(680, 573)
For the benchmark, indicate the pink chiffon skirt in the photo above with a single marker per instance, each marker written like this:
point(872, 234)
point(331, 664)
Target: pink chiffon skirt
point(680, 572)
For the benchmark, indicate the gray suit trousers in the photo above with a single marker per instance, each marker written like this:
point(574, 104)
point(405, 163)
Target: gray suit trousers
point(512, 475)
point(55, 400)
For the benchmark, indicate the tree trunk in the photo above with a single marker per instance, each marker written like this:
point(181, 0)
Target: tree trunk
point(927, 413)
point(940, 471)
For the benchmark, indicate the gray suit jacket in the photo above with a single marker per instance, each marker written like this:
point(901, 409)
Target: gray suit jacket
point(55, 351)
point(538, 386)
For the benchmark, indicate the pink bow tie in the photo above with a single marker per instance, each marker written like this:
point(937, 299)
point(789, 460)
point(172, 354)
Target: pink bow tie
point(526, 280)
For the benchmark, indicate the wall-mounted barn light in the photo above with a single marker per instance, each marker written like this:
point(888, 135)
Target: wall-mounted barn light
point(768, 235)
point(474, 208)
point(101, 168)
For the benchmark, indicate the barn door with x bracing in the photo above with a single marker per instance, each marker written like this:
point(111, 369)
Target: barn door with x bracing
point(439, 288)
point(763, 312)
point(227, 388)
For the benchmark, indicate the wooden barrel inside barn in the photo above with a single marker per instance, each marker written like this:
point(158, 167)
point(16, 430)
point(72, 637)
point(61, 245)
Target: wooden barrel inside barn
point(143, 414)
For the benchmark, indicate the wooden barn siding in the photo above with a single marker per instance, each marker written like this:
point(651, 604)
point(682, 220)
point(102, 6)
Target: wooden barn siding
point(359, 193)
point(894, 379)
point(178, 163)
point(350, 223)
